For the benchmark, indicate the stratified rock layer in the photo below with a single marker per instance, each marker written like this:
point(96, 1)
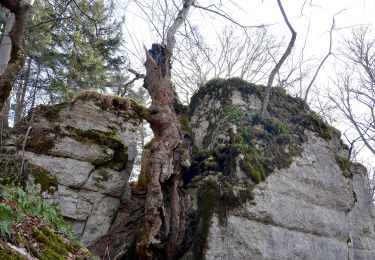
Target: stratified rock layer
point(86, 149)
point(307, 211)
point(310, 209)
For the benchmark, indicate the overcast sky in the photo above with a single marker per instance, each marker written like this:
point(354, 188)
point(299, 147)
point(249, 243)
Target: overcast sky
point(317, 13)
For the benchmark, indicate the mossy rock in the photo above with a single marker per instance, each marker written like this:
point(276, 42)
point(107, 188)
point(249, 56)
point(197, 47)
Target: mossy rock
point(51, 113)
point(344, 165)
point(47, 182)
point(223, 88)
point(252, 165)
point(120, 157)
point(208, 201)
point(215, 197)
point(40, 143)
point(315, 123)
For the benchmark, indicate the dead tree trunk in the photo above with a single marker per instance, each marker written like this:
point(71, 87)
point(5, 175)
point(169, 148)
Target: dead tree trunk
point(14, 59)
point(170, 152)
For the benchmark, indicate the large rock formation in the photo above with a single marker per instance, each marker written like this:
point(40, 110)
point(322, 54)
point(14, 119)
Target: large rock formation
point(316, 206)
point(84, 151)
point(277, 188)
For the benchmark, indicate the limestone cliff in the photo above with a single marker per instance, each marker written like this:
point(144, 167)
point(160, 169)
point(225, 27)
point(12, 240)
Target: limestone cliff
point(277, 188)
point(307, 200)
point(84, 151)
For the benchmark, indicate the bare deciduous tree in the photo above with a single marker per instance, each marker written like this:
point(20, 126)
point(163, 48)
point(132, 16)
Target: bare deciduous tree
point(240, 53)
point(356, 97)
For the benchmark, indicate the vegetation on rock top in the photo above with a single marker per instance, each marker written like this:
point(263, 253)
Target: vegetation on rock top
point(257, 146)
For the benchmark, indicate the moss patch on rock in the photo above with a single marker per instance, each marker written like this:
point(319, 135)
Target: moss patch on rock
point(215, 197)
point(47, 182)
point(51, 113)
point(344, 165)
point(40, 143)
point(98, 137)
point(256, 146)
point(223, 88)
point(315, 123)
point(10, 165)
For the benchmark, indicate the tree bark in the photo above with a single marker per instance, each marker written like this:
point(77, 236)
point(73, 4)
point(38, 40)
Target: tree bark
point(20, 10)
point(170, 152)
point(21, 93)
point(4, 115)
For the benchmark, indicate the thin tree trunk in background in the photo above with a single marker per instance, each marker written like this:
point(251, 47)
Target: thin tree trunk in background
point(35, 85)
point(279, 63)
point(21, 93)
point(20, 9)
point(4, 115)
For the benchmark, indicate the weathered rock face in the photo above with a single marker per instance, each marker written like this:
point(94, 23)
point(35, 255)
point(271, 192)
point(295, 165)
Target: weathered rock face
point(314, 206)
point(307, 211)
point(86, 149)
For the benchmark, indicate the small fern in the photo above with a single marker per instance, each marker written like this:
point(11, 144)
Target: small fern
point(7, 218)
point(28, 204)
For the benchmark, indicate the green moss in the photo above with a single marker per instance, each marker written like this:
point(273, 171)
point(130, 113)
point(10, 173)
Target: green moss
point(9, 168)
point(47, 183)
point(344, 165)
point(215, 197)
point(223, 88)
point(120, 157)
point(53, 246)
point(252, 165)
point(208, 201)
point(185, 123)
point(276, 126)
point(40, 143)
point(51, 113)
point(315, 123)
point(6, 252)
point(99, 137)
point(247, 194)
point(139, 109)
point(47, 254)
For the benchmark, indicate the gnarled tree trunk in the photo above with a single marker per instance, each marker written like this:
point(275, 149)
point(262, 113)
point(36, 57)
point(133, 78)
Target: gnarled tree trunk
point(170, 152)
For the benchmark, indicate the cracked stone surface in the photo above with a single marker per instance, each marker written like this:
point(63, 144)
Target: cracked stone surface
point(307, 211)
point(87, 187)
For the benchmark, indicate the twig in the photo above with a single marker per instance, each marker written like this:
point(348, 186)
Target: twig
point(19, 177)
